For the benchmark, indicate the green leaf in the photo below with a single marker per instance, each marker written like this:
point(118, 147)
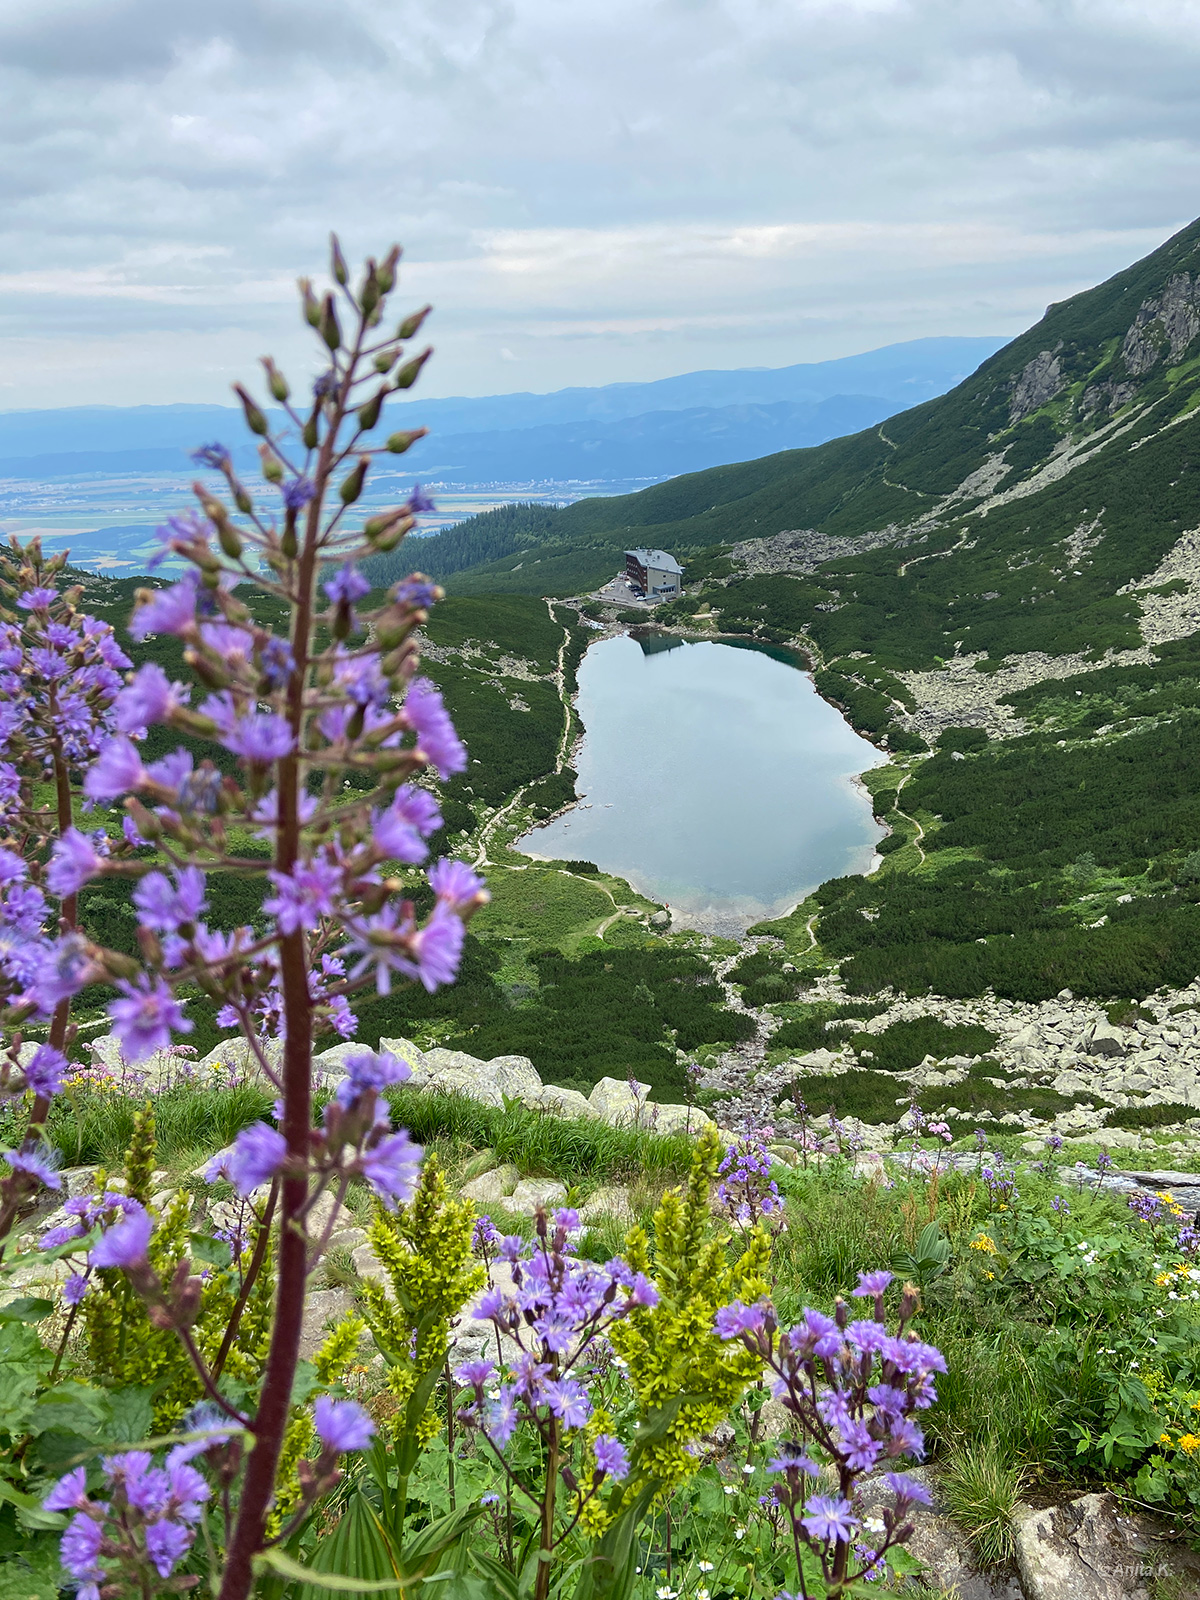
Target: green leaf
point(132, 1416)
point(29, 1508)
point(28, 1309)
point(337, 1582)
point(213, 1252)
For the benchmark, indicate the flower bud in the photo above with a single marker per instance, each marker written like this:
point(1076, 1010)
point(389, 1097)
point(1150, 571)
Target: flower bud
point(272, 467)
point(241, 498)
point(370, 294)
point(407, 374)
point(206, 669)
point(310, 434)
point(386, 359)
point(276, 381)
point(386, 273)
point(289, 545)
point(330, 331)
point(398, 443)
point(337, 261)
point(390, 535)
point(312, 306)
point(409, 327)
point(228, 536)
point(255, 420)
point(352, 486)
point(368, 414)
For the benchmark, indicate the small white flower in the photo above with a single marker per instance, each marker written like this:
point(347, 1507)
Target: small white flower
point(748, 1469)
point(705, 1566)
point(701, 1594)
point(730, 1489)
point(739, 1533)
point(875, 1525)
point(1082, 1246)
point(666, 1593)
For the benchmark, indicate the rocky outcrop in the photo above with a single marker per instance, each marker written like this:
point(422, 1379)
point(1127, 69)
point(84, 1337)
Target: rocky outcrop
point(1038, 382)
point(1164, 326)
point(1090, 1549)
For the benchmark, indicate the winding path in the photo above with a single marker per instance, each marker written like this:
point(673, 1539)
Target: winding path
point(920, 833)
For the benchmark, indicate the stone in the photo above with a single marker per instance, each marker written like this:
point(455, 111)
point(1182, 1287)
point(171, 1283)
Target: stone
point(616, 1101)
point(941, 1546)
point(676, 1119)
point(323, 1309)
point(494, 1187)
point(531, 1193)
point(406, 1050)
point(78, 1180)
point(1089, 1549)
point(609, 1201)
point(660, 919)
point(563, 1102)
point(348, 1239)
point(516, 1077)
point(366, 1263)
point(1106, 1040)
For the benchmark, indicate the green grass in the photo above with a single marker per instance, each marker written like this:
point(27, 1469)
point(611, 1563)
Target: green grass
point(981, 1487)
point(543, 903)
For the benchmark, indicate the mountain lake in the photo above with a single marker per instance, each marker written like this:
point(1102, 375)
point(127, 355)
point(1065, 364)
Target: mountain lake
point(714, 778)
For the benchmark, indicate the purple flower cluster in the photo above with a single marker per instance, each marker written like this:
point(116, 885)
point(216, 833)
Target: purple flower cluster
point(559, 1307)
point(142, 1527)
point(852, 1389)
point(746, 1190)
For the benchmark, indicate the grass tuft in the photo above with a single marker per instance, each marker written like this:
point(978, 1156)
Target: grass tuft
point(981, 1487)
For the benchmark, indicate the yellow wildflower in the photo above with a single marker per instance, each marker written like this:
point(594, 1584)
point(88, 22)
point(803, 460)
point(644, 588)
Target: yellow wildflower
point(1164, 1438)
point(1170, 1202)
point(989, 1276)
point(1189, 1443)
point(986, 1244)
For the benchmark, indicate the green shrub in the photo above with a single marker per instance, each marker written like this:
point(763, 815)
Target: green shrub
point(904, 1045)
point(869, 1096)
point(1160, 1116)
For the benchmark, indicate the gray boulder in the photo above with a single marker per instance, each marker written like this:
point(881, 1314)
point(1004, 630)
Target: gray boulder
point(675, 1119)
point(617, 1101)
point(1106, 1040)
point(1089, 1549)
point(531, 1193)
point(492, 1188)
point(609, 1201)
point(323, 1310)
point(563, 1102)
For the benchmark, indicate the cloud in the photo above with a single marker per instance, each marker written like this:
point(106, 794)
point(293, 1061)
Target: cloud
point(596, 192)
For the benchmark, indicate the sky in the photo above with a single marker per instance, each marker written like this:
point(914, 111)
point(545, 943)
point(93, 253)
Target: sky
point(589, 191)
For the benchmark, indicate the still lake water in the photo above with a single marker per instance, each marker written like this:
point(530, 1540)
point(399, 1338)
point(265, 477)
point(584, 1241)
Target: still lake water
point(717, 779)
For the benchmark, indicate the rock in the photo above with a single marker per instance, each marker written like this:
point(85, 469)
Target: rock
point(1106, 1040)
point(483, 1161)
point(819, 1060)
point(675, 1119)
point(492, 1188)
point(367, 1264)
point(609, 1201)
point(78, 1180)
point(516, 1077)
point(940, 1545)
point(348, 1239)
point(406, 1050)
point(563, 1102)
point(323, 1309)
point(489, 1082)
point(660, 919)
point(233, 1059)
point(787, 1153)
point(531, 1193)
point(616, 1101)
point(1087, 1549)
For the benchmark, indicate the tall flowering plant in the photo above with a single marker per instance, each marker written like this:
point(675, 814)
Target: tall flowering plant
point(60, 675)
point(332, 731)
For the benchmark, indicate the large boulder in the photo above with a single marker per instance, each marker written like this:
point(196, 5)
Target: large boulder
point(531, 1193)
point(619, 1100)
point(323, 1310)
point(675, 1119)
point(1089, 1549)
point(492, 1188)
point(563, 1102)
point(1106, 1040)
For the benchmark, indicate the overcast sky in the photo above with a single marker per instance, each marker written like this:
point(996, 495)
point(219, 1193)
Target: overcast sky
point(589, 190)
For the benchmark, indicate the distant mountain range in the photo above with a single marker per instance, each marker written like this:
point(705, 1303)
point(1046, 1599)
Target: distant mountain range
point(620, 432)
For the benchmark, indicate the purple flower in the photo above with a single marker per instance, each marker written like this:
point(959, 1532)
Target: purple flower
point(151, 697)
point(299, 491)
point(210, 455)
point(72, 862)
point(305, 895)
point(907, 1489)
point(417, 592)
point(347, 585)
point(69, 1493)
point(610, 1457)
point(456, 885)
point(256, 1156)
point(436, 738)
point(368, 1070)
point(80, 1548)
point(166, 1545)
point(342, 1424)
point(261, 737)
point(400, 831)
point(503, 1416)
point(144, 1018)
point(438, 948)
point(75, 1288)
point(474, 1374)
point(167, 907)
point(872, 1284)
point(792, 1458)
point(188, 1489)
point(392, 1167)
point(44, 1070)
point(38, 1164)
point(277, 662)
point(148, 1488)
point(569, 1402)
point(829, 1517)
point(735, 1319)
point(419, 502)
point(125, 1243)
point(170, 610)
point(117, 770)
point(37, 599)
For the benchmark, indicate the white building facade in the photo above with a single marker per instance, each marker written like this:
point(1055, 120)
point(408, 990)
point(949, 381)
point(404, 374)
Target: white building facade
point(655, 572)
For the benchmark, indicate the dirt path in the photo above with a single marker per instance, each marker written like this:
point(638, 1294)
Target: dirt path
point(489, 827)
point(896, 807)
point(560, 759)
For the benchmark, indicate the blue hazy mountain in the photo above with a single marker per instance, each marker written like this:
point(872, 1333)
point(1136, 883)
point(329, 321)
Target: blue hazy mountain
point(622, 431)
